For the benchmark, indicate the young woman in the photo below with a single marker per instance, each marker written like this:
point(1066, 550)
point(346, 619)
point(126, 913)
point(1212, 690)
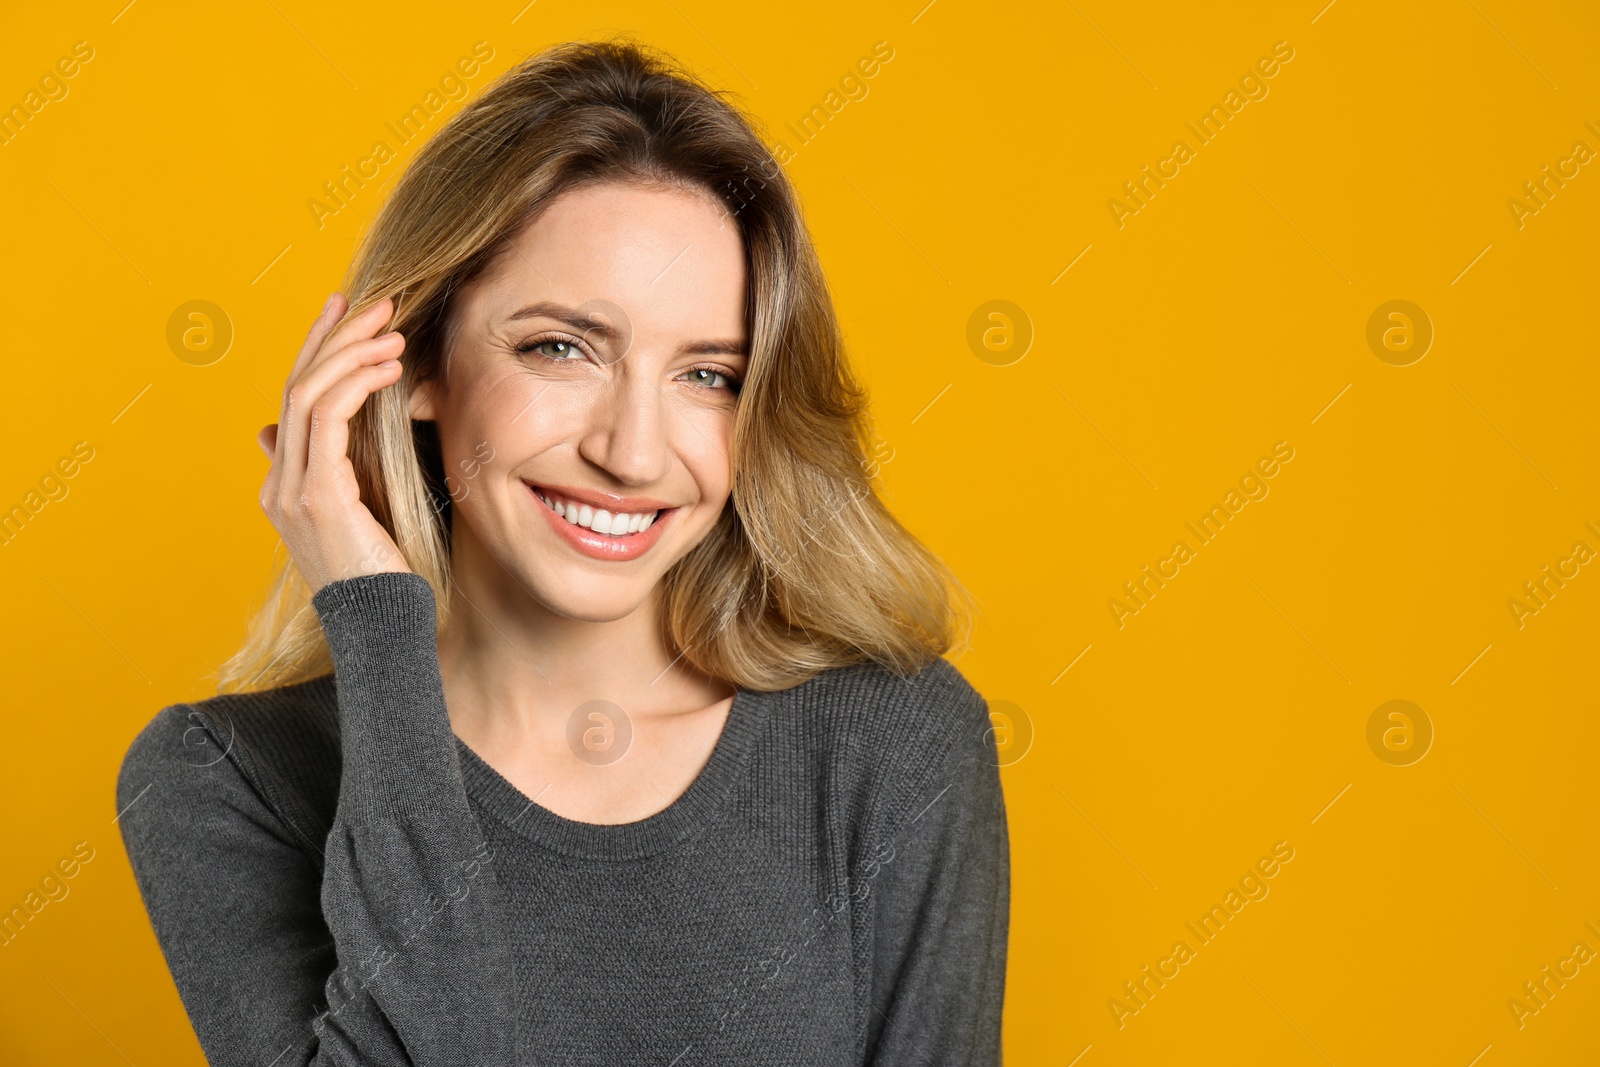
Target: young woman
point(600, 714)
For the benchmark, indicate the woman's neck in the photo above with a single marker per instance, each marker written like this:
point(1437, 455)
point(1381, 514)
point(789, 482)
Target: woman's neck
point(514, 672)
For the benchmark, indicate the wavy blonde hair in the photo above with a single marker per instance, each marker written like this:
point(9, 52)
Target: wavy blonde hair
point(807, 569)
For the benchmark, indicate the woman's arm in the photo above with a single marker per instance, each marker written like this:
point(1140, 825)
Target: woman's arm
point(397, 955)
point(939, 886)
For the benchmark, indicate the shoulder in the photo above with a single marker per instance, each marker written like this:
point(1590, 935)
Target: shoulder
point(874, 706)
point(277, 747)
point(884, 737)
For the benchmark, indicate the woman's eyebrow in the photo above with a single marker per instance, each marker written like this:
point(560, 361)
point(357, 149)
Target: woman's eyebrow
point(589, 324)
point(717, 348)
point(549, 309)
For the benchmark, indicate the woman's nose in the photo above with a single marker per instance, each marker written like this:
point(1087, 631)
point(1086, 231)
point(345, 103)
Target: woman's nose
point(627, 427)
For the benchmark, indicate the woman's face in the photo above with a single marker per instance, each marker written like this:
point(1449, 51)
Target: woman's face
point(595, 371)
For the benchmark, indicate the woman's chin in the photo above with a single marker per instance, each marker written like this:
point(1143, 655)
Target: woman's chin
point(577, 593)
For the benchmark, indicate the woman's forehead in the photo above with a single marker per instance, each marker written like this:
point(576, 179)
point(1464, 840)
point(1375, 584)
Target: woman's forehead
point(663, 258)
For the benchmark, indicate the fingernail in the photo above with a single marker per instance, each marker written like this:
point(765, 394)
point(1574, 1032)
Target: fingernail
point(329, 304)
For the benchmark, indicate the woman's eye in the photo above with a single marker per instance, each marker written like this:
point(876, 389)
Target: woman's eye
point(552, 348)
point(712, 379)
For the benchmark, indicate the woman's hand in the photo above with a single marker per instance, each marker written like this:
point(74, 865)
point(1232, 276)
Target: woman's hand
point(311, 494)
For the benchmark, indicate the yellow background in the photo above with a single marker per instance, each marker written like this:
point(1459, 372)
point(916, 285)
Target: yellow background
point(1224, 317)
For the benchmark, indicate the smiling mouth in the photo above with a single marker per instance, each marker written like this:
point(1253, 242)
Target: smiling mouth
point(620, 524)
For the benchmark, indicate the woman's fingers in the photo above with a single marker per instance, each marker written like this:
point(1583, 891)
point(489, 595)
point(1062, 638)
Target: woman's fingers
point(303, 395)
point(324, 324)
point(328, 335)
point(330, 419)
point(315, 338)
point(310, 492)
point(363, 325)
point(326, 340)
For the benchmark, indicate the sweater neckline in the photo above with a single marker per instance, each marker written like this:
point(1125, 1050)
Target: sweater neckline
point(688, 813)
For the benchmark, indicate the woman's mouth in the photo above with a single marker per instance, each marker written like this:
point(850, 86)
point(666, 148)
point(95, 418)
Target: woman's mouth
point(619, 524)
point(605, 534)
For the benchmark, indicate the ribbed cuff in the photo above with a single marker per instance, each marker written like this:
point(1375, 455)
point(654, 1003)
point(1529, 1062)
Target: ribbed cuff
point(397, 746)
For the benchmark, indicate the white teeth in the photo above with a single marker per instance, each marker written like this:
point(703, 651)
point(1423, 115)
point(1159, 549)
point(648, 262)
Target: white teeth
point(600, 520)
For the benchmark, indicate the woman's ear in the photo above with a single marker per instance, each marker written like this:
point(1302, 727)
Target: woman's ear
point(422, 401)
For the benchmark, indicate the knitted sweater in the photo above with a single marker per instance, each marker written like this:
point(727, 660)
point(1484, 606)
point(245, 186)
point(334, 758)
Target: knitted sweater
point(335, 878)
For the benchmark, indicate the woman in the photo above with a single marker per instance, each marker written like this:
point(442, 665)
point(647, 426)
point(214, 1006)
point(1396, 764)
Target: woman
point(600, 715)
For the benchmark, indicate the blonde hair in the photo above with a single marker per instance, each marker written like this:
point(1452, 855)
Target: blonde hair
point(807, 569)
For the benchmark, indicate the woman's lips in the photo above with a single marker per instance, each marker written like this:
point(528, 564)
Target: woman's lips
point(602, 546)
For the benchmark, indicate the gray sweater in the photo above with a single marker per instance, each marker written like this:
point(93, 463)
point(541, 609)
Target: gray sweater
point(335, 878)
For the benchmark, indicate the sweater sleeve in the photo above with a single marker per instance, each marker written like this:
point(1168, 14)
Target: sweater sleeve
point(396, 955)
point(940, 889)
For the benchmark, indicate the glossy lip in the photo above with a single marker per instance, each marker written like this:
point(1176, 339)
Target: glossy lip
point(603, 546)
point(598, 499)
